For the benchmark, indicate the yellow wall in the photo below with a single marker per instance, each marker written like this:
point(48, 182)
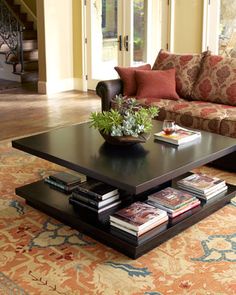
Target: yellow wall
point(41, 41)
point(188, 26)
point(60, 45)
point(60, 36)
point(55, 29)
point(77, 38)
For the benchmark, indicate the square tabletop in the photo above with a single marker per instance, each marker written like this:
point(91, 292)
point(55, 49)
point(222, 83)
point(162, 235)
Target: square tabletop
point(135, 168)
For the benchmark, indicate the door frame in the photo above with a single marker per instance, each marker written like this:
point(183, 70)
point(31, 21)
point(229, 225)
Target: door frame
point(161, 11)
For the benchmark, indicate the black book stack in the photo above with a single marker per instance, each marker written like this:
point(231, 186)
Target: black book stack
point(95, 196)
point(63, 181)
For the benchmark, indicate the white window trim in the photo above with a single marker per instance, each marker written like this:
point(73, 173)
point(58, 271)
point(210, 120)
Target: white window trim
point(211, 18)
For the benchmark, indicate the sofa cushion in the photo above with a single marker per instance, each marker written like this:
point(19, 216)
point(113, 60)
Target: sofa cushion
point(217, 80)
point(228, 124)
point(187, 69)
point(197, 114)
point(156, 84)
point(127, 75)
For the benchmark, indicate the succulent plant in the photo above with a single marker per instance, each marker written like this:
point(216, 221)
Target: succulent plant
point(127, 117)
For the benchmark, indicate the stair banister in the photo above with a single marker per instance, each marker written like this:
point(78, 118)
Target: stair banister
point(11, 29)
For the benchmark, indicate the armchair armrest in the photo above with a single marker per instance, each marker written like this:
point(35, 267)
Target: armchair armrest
point(107, 90)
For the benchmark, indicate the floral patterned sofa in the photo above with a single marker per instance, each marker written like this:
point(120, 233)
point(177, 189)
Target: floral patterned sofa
point(205, 85)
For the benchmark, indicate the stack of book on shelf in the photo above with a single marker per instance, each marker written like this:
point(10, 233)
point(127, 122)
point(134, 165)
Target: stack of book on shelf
point(180, 136)
point(173, 201)
point(203, 186)
point(137, 219)
point(63, 181)
point(95, 196)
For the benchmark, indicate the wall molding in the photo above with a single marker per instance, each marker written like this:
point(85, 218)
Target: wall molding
point(45, 87)
point(80, 84)
point(62, 85)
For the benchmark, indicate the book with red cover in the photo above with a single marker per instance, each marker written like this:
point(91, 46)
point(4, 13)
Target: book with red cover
point(171, 198)
point(137, 216)
point(184, 215)
point(185, 208)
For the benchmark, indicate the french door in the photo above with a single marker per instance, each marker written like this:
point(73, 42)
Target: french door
point(219, 27)
point(120, 32)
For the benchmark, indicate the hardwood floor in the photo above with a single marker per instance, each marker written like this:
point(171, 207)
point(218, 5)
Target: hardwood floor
point(23, 111)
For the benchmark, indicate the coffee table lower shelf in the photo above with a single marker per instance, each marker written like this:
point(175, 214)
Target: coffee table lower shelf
point(54, 203)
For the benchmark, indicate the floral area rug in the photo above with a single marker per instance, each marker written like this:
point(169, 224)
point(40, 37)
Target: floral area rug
point(39, 255)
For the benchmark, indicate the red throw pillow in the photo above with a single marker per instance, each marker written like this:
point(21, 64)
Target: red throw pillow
point(127, 75)
point(156, 84)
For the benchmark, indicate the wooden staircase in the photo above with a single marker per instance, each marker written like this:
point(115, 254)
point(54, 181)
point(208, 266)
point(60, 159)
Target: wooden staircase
point(29, 71)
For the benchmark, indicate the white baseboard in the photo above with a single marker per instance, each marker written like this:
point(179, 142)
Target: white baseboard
point(62, 85)
point(80, 84)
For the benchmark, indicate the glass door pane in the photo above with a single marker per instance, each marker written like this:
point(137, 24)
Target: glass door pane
point(227, 28)
point(103, 40)
point(116, 33)
point(139, 31)
point(109, 33)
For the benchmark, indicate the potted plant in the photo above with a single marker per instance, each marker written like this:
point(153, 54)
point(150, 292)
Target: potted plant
point(127, 122)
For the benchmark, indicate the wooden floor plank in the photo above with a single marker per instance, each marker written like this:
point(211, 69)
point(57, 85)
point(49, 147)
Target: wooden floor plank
point(23, 111)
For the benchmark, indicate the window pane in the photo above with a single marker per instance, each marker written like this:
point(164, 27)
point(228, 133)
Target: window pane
point(227, 37)
point(104, 39)
point(140, 31)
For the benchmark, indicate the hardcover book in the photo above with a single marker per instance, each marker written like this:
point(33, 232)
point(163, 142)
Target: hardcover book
point(218, 191)
point(96, 210)
point(137, 234)
point(137, 240)
point(173, 213)
point(185, 208)
point(171, 198)
point(184, 215)
point(58, 185)
point(201, 183)
point(180, 136)
point(90, 200)
point(65, 178)
point(137, 216)
point(98, 189)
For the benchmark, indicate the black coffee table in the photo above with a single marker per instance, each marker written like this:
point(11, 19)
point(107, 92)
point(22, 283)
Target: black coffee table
point(136, 170)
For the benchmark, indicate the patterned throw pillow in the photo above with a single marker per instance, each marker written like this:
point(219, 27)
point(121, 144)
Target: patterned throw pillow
point(217, 80)
point(187, 68)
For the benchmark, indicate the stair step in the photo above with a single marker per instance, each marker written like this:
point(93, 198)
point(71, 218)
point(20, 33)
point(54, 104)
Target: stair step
point(29, 77)
point(29, 55)
point(30, 49)
point(23, 17)
point(29, 66)
point(29, 35)
point(29, 25)
point(30, 44)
